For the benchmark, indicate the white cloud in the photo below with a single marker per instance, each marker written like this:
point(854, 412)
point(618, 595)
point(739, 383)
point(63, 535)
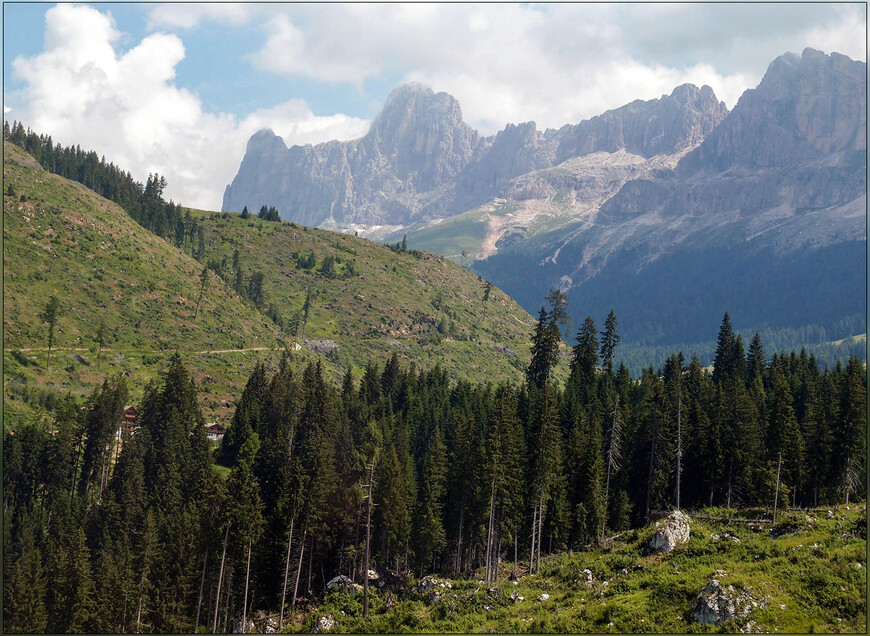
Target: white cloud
point(551, 63)
point(554, 64)
point(127, 107)
point(189, 15)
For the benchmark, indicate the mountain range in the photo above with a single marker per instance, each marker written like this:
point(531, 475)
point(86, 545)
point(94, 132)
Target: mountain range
point(670, 211)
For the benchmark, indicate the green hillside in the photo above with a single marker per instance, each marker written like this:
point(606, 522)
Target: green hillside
point(808, 575)
point(62, 239)
point(373, 301)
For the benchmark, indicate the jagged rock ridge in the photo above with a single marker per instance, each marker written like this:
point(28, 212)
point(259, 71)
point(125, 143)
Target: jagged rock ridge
point(420, 160)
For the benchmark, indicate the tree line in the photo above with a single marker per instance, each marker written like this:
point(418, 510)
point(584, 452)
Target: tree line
point(465, 478)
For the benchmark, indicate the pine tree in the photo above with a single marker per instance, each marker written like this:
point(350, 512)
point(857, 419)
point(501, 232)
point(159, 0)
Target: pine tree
point(430, 535)
point(783, 434)
point(545, 350)
point(584, 362)
point(545, 472)
point(852, 429)
point(505, 453)
point(105, 412)
point(49, 315)
point(728, 362)
point(609, 340)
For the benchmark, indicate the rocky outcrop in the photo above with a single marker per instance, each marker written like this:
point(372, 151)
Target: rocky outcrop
point(717, 604)
point(324, 624)
point(671, 532)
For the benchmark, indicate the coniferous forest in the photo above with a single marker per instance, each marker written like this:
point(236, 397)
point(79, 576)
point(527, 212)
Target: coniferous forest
point(168, 533)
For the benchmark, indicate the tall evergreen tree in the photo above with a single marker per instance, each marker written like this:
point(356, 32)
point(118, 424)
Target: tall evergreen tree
point(609, 340)
point(49, 315)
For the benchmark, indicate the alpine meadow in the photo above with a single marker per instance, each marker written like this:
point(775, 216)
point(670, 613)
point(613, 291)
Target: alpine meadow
point(420, 369)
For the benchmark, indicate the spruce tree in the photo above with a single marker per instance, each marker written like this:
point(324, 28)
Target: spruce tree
point(609, 340)
point(49, 315)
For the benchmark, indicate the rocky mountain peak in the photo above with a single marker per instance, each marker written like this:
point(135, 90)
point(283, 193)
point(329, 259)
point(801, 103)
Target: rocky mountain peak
point(421, 134)
point(264, 139)
point(805, 106)
point(647, 128)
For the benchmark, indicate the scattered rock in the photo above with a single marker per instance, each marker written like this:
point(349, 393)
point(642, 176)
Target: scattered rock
point(429, 583)
point(751, 628)
point(543, 597)
point(588, 574)
point(80, 359)
point(323, 347)
point(323, 624)
point(373, 576)
point(504, 350)
point(830, 514)
point(673, 531)
point(237, 627)
point(270, 626)
point(716, 604)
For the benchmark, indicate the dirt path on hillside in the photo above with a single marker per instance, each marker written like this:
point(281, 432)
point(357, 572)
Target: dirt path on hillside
point(107, 350)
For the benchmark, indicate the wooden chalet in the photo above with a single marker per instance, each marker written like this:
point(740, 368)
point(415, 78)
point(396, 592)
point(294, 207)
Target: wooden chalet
point(214, 431)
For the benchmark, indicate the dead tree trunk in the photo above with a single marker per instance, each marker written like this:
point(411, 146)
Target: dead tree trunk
point(368, 540)
point(534, 531)
point(776, 494)
point(286, 573)
point(299, 568)
point(201, 586)
point(245, 603)
point(458, 561)
point(217, 602)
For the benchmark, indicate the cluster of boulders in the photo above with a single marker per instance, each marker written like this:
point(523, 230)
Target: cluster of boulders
point(433, 588)
point(717, 603)
point(323, 624)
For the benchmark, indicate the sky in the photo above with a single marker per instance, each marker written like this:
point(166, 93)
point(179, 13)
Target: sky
point(179, 88)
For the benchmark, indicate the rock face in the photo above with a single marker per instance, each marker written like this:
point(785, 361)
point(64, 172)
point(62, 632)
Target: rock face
point(671, 532)
point(778, 186)
point(420, 160)
point(647, 128)
point(716, 604)
point(414, 148)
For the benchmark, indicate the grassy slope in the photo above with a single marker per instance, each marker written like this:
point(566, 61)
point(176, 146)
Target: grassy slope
point(811, 580)
point(389, 304)
point(63, 239)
